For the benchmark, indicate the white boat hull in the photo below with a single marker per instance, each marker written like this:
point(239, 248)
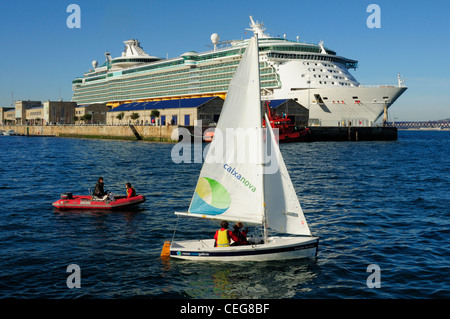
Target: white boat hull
point(278, 248)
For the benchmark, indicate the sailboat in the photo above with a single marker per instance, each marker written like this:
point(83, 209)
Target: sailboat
point(241, 182)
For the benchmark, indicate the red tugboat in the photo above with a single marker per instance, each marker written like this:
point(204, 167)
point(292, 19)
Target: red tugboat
point(69, 201)
point(287, 132)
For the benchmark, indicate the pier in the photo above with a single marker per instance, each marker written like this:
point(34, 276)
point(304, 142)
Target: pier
point(164, 132)
point(352, 133)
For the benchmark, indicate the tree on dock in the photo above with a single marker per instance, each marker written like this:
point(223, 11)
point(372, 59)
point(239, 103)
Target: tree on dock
point(86, 118)
point(154, 113)
point(134, 116)
point(120, 116)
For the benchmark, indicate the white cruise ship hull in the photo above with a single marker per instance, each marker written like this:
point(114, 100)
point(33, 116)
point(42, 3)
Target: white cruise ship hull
point(356, 106)
point(330, 92)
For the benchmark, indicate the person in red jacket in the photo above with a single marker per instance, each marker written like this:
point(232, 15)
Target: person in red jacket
point(223, 236)
point(131, 192)
point(241, 235)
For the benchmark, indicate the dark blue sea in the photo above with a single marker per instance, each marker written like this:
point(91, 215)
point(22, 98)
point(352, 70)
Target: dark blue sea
point(373, 204)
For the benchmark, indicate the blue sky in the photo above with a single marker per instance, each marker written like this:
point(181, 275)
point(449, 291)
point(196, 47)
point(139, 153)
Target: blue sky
point(40, 55)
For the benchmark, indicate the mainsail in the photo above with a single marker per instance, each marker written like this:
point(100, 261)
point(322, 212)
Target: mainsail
point(230, 186)
point(234, 184)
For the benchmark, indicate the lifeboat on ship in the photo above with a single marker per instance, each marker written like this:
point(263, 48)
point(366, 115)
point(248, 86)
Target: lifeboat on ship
point(69, 201)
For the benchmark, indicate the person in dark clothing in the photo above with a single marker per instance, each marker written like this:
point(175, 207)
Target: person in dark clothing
point(99, 191)
point(241, 235)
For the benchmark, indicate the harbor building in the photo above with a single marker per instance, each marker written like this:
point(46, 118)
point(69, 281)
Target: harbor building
point(184, 112)
point(7, 115)
point(21, 108)
point(91, 113)
point(58, 112)
point(35, 115)
point(47, 113)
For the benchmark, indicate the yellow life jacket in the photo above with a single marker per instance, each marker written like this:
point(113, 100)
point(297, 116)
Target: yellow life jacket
point(222, 238)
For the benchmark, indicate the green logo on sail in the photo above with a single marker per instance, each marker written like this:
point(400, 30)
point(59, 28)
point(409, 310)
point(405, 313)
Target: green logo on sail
point(210, 197)
point(241, 178)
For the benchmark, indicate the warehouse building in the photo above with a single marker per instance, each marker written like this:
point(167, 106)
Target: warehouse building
point(167, 112)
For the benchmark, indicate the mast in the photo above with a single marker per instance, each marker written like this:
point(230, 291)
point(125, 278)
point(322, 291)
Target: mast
point(262, 163)
point(230, 185)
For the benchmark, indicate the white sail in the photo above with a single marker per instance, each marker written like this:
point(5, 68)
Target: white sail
point(283, 210)
point(230, 185)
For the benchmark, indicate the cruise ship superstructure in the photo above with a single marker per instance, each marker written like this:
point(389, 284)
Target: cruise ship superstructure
point(313, 75)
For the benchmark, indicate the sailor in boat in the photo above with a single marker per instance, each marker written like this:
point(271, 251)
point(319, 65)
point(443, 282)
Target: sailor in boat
point(223, 236)
point(99, 191)
point(240, 234)
point(131, 192)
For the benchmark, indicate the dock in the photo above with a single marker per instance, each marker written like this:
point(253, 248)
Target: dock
point(352, 133)
point(164, 133)
point(341, 133)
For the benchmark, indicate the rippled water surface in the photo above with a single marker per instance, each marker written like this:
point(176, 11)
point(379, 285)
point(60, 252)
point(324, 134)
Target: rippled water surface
point(383, 203)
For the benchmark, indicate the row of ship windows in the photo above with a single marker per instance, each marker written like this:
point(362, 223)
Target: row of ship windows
point(201, 71)
point(132, 94)
point(226, 73)
point(336, 83)
point(350, 64)
point(324, 70)
point(303, 48)
point(219, 68)
point(161, 89)
point(328, 77)
point(148, 86)
point(178, 71)
point(231, 66)
point(266, 74)
point(178, 74)
point(159, 79)
point(204, 82)
point(157, 66)
point(321, 64)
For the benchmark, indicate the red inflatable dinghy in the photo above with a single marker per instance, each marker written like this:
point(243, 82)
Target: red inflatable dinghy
point(69, 201)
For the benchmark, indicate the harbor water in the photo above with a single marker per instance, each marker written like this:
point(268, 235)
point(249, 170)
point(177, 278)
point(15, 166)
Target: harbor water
point(373, 204)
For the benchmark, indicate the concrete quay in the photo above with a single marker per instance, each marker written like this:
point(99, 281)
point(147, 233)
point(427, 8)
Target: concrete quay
point(164, 133)
point(128, 132)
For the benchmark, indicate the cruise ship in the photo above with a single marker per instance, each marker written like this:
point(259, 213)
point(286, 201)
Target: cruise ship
point(311, 74)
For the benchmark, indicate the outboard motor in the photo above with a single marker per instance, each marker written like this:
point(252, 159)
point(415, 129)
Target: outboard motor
point(67, 195)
